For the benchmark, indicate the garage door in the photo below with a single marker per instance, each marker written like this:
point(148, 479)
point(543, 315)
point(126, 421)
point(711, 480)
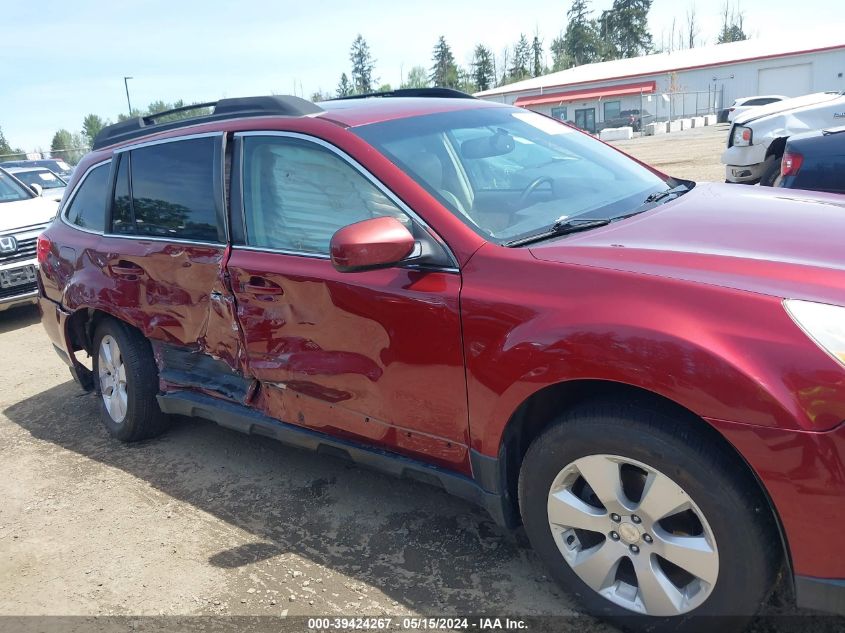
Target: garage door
point(792, 81)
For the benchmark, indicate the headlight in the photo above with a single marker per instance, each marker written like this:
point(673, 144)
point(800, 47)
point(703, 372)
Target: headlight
point(742, 135)
point(823, 323)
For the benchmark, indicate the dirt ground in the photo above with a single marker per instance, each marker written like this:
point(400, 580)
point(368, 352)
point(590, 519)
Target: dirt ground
point(692, 154)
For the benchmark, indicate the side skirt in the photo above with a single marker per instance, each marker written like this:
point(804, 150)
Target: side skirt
point(245, 420)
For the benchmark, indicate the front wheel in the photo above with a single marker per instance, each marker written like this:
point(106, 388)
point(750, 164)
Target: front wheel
point(645, 519)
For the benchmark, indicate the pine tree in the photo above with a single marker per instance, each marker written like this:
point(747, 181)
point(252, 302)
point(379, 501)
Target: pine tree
point(629, 27)
point(362, 66)
point(444, 72)
point(344, 87)
point(560, 58)
point(732, 25)
point(537, 65)
point(7, 152)
point(483, 73)
point(581, 38)
point(521, 60)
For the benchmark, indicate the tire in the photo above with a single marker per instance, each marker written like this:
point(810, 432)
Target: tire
point(126, 379)
point(645, 450)
point(771, 173)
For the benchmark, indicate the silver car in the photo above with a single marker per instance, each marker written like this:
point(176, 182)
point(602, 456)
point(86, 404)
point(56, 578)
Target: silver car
point(41, 180)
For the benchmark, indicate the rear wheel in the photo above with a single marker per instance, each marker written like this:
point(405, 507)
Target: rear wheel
point(127, 383)
point(644, 519)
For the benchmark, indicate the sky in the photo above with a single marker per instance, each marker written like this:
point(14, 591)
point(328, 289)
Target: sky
point(68, 58)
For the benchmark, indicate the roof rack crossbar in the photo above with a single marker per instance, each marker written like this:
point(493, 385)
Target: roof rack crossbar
point(436, 92)
point(137, 127)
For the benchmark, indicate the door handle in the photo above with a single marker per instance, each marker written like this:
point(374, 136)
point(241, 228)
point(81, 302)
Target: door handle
point(126, 269)
point(262, 286)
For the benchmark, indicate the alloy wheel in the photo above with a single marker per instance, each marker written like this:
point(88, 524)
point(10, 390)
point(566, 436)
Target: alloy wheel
point(633, 535)
point(112, 374)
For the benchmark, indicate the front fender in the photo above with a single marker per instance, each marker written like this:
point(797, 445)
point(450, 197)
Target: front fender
point(721, 353)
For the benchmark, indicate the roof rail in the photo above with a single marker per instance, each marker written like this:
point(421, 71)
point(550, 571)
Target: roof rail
point(447, 93)
point(223, 109)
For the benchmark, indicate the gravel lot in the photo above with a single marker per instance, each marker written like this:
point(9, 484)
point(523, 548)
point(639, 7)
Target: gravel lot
point(692, 154)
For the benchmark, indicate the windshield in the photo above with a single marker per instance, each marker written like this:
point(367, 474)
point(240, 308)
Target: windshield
point(508, 172)
point(43, 177)
point(11, 190)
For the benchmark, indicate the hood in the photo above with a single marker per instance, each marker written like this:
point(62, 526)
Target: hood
point(805, 101)
point(779, 242)
point(16, 215)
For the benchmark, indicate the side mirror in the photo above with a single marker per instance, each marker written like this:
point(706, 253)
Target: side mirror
point(371, 244)
point(38, 189)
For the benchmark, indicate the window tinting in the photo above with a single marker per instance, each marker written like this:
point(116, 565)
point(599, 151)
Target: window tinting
point(611, 109)
point(122, 207)
point(297, 194)
point(172, 191)
point(88, 207)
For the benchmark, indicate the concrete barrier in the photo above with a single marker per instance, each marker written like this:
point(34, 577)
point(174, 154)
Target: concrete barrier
point(685, 124)
point(697, 121)
point(710, 119)
point(616, 133)
point(655, 128)
point(674, 126)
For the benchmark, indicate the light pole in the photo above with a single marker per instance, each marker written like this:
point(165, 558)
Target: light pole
point(126, 85)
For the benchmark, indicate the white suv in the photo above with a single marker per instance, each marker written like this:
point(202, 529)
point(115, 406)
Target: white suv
point(23, 215)
point(758, 136)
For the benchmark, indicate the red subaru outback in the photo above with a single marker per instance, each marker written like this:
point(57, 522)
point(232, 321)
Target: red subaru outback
point(648, 373)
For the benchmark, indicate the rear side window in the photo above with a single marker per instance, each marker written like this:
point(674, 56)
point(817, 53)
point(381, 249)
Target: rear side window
point(759, 102)
point(297, 194)
point(88, 207)
point(168, 190)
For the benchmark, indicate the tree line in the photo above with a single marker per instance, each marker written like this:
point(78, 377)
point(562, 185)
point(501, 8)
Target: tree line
point(616, 33)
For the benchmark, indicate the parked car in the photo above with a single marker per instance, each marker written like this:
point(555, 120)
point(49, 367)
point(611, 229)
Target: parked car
point(41, 180)
point(815, 160)
point(23, 215)
point(56, 165)
point(642, 370)
point(626, 118)
point(758, 137)
point(744, 104)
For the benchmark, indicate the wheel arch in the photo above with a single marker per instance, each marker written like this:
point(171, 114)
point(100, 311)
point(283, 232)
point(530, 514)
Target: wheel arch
point(539, 410)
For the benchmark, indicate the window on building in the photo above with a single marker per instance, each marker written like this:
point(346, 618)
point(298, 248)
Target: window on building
point(297, 194)
point(88, 207)
point(612, 109)
point(172, 191)
point(559, 113)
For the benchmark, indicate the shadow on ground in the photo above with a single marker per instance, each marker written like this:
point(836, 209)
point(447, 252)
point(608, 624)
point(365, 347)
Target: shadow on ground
point(424, 549)
point(17, 318)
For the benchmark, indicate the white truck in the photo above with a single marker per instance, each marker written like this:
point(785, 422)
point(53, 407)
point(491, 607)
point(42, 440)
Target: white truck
point(758, 136)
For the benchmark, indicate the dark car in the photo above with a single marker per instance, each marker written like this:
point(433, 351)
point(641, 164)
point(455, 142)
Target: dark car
point(55, 165)
point(626, 118)
point(641, 370)
point(815, 161)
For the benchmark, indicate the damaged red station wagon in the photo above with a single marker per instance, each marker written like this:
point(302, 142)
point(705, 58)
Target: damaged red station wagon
point(646, 372)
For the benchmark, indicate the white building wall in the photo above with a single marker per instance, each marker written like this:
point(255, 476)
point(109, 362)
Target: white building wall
point(728, 81)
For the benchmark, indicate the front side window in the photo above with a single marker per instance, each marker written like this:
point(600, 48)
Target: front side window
point(297, 194)
point(11, 190)
point(88, 207)
point(167, 190)
point(611, 109)
point(507, 172)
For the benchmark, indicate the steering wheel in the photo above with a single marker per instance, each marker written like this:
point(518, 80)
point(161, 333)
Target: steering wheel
point(523, 197)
